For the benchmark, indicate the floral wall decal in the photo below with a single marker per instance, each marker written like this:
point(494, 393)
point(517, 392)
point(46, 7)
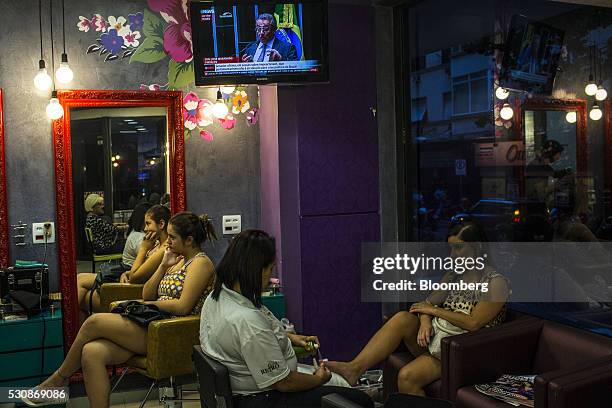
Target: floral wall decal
point(119, 37)
point(160, 33)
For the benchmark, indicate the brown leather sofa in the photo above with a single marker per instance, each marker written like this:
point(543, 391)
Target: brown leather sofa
point(574, 367)
point(437, 389)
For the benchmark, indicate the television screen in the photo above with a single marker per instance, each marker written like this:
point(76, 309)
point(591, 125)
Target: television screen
point(246, 42)
point(531, 56)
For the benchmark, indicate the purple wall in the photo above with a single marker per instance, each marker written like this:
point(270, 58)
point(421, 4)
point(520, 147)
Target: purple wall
point(328, 173)
point(268, 147)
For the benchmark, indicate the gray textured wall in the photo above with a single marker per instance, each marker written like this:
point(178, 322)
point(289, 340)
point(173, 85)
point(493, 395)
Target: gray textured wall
point(222, 176)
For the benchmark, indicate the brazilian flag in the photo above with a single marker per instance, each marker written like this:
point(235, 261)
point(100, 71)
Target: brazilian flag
point(288, 27)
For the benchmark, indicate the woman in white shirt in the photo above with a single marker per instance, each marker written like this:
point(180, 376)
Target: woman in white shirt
point(135, 234)
point(242, 334)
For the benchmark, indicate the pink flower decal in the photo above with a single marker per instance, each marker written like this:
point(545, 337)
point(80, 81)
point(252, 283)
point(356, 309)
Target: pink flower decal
point(177, 35)
point(131, 39)
point(228, 122)
point(196, 111)
point(206, 135)
point(252, 116)
point(99, 23)
point(84, 24)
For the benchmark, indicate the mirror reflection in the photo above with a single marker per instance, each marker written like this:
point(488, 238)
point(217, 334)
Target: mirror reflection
point(119, 162)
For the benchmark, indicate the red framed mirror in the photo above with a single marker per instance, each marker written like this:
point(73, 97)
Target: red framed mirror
point(81, 103)
point(4, 227)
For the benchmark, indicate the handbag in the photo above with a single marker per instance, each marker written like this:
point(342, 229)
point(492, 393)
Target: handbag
point(442, 328)
point(141, 313)
point(108, 273)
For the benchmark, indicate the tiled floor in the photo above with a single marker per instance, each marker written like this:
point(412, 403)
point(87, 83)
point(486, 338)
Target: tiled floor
point(133, 399)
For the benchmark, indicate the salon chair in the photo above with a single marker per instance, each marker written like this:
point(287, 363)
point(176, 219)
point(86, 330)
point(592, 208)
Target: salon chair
point(112, 292)
point(214, 381)
point(98, 258)
point(168, 360)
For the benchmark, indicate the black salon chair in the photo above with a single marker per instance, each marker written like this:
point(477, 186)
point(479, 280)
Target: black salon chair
point(214, 381)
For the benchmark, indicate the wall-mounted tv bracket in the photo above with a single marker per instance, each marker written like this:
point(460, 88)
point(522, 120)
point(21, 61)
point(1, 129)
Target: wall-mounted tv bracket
point(19, 233)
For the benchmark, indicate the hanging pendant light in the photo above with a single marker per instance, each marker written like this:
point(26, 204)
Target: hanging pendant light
point(571, 117)
point(506, 112)
point(595, 113)
point(591, 88)
point(42, 80)
point(54, 108)
point(502, 93)
point(220, 109)
point(601, 93)
point(64, 74)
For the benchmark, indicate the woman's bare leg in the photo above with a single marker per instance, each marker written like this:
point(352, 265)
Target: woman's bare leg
point(415, 375)
point(95, 357)
point(403, 326)
point(109, 326)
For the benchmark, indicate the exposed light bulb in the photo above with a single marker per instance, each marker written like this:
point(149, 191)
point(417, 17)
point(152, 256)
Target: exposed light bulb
point(220, 109)
point(64, 74)
point(117, 157)
point(571, 117)
point(42, 80)
point(502, 93)
point(591, 87)
point(601, 93)
point(54, 109)
point(595, 113)
point(227, 89)
point(115, 164)
point(506, 112)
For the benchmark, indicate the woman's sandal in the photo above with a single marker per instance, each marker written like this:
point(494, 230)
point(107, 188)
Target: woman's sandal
point(43, 400)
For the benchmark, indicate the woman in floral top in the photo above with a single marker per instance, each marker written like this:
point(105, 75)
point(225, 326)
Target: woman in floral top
point(442, 314)
point(107, 339)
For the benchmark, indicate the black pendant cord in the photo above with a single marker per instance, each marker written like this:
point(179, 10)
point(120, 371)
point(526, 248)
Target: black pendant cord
point(40, 27)
point(63, 24)
point(52, 50)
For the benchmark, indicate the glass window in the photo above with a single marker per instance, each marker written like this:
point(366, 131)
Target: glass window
point(535, 169)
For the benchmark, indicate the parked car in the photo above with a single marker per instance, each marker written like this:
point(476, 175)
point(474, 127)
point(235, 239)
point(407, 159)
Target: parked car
point(509, 220)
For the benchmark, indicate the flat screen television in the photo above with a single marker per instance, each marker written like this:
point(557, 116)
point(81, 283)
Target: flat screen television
point(531, 56)
point(259, 42)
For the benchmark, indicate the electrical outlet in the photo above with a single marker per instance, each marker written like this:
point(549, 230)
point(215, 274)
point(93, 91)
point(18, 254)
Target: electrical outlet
point(232, 224)
point(42, 229)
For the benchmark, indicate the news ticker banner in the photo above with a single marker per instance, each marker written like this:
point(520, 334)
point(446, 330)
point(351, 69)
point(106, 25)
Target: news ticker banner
point(534, 272)
point(261, 67)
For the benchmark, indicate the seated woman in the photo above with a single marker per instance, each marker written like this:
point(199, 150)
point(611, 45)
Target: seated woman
point(106, 236)
point(179, 286)
point(241, 333)
point(150, 254)
point(444, 313)
point(135, 234)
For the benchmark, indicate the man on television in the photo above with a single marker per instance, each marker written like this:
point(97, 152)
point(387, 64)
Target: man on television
point(268, 47)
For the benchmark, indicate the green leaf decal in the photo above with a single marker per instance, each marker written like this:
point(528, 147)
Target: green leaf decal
point(180, 74)
point(149, 51)
point(153, 25)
